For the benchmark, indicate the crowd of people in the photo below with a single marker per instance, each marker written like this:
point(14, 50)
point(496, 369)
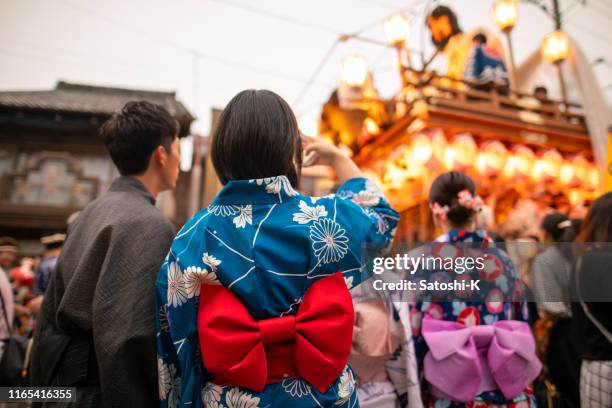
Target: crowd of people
point(262, 298)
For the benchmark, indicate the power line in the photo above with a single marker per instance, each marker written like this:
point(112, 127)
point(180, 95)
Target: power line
point(276, 16)
point(71, 53)
point(600, 10)
point(54, 60)
point(221, 60)
point(343, 37)
point(316, 72)
point(601, 61)
point(592, 33)
point(565, 13)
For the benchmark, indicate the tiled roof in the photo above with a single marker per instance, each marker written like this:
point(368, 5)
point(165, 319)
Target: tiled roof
point(78, 98)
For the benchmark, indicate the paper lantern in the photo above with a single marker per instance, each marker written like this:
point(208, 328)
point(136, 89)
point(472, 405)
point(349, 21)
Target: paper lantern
point(581, 168)
point(397, 29)
point(421, 149)
point(449, 157)
point(567, 175)
point(394, 176)
point(354, 71)
point(505, 14)
point(492, 158)
point(548, 166)
point(555, 47)
point(574, 172)
point(519, 163)
point(438, 144)
point(576, 197)
point(593, 178)
point(464, 151)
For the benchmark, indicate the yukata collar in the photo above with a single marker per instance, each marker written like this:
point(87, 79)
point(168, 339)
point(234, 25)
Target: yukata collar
point(269, 190)
point(460, 235)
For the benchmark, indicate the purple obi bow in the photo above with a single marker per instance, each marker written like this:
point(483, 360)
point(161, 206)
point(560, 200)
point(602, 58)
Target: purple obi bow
point(465, 361)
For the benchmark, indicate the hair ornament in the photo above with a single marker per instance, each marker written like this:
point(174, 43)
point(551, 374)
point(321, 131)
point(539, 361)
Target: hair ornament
point(439, 211)
point(467, 200)
point(564, 224)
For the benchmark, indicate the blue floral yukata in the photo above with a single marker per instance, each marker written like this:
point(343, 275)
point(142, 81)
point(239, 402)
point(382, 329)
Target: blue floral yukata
point(501, 298)
point(267, 243)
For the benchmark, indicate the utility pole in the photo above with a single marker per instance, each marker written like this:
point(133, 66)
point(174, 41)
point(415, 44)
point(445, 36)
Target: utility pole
point(558, 27)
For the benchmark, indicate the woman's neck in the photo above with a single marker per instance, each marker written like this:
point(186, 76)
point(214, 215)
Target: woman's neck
point(467, 227)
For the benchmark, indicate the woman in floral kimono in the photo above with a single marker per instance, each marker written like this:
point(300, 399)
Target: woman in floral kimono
point(253, 304)
point(473, 346)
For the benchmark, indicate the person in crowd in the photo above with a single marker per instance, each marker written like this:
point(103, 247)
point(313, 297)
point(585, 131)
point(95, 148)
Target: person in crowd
point(22, 282)
point(253, 301)
point(485, 68)
point(541, 94)
point(550, 271)
point(457, 333)
point(96, 328)
point(8, 255)
point(53, 247)
point(592, 286)
point(22, 279)
point(382, 354)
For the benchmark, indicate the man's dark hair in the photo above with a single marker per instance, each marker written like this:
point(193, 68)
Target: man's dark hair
point(133, 134)
point(441, 11)
point(481, 38)
point(257, 137)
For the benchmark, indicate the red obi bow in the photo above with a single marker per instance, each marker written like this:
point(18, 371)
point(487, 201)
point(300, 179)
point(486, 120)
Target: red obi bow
point(239, 349)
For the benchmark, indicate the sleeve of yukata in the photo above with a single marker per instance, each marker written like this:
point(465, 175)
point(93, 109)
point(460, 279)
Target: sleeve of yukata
point(179, 368)
point(375, 209)
point(372, 220)
point(167, 360)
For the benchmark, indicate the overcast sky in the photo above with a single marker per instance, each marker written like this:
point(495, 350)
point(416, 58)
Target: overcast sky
point(274, 44)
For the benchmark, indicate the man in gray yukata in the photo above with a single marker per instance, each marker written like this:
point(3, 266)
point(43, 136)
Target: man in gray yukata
point(96, 328)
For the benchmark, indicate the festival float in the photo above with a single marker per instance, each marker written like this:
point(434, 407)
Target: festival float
point(515, 145)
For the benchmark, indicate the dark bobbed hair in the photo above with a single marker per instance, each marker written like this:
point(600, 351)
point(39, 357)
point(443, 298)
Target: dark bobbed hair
point(597, 226)
point(554, 224)
point(257, 136)
point(132, 135)
point(441, 11)
point(444, 191)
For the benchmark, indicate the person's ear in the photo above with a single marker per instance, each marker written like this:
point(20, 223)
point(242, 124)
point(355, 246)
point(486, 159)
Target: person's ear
point(161, 156)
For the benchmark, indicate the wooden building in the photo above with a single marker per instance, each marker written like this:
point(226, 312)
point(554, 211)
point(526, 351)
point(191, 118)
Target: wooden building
point(53, 161)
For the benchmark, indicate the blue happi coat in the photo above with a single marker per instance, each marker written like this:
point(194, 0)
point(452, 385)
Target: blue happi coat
point(267, 243)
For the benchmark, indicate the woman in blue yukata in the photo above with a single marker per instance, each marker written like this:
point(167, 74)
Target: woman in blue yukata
point(473, 346)
point(253, 307)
